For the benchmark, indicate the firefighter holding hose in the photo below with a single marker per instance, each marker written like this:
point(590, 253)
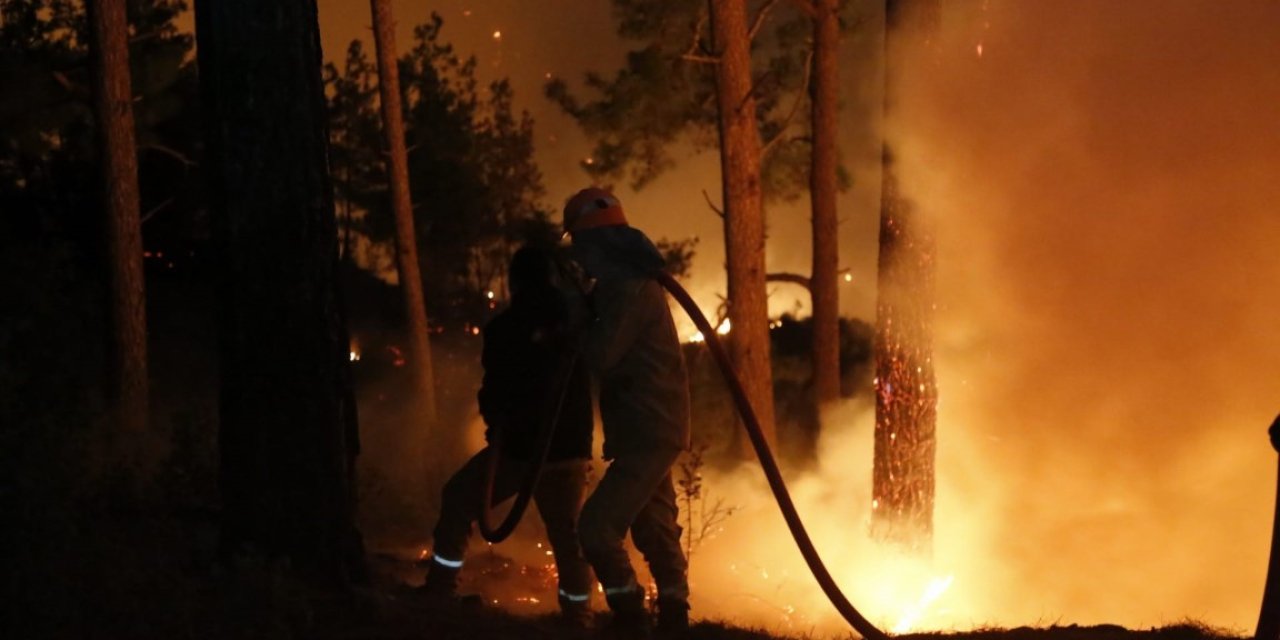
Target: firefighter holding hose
point(630, 345)
point(525, 348)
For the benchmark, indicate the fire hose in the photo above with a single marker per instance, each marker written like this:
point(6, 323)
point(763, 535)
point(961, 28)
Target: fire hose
point(767, 462)
point(1268, 627)
point(497, 534)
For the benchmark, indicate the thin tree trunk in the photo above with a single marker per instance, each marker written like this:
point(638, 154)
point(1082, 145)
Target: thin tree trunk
point(906, 390)
point(740, 150)
point(113, 105)
point(287, 436)
point(822, 190)
point(384, 38)
point(406, 238)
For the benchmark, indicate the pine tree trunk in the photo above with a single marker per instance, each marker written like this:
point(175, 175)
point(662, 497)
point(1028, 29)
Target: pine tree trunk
point(906, 391)
point(113, 105)
point(287, 434)
point(740, 150)
point(424, 413)
point(822, 188)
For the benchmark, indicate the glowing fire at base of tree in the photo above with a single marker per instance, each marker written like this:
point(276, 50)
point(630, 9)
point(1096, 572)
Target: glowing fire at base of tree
point(911, 617)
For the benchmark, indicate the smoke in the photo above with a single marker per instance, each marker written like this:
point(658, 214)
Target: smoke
point(1107, 350)
point(1102, 179)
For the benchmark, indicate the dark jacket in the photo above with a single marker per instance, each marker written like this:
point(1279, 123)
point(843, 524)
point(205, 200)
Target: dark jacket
point(523, 356)
point(631, 345)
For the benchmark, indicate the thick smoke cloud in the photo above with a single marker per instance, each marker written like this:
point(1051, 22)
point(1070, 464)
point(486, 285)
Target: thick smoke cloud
point(1102, 177)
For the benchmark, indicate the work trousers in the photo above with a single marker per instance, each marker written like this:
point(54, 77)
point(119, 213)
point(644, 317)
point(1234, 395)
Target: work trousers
point(636, 494)
point(558, 497)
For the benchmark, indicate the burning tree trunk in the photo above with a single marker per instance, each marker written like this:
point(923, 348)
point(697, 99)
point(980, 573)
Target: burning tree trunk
point(740, 149)
point(906, 392)
point(113, 105)
point(384, 38)
point(822, 189)
point(288, 435)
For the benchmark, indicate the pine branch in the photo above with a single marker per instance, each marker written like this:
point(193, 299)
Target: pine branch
point(154, 210)
point(169, 151)
point(795, 107)
point(697, 51)
point(759, 21)
point(706, 196)
point(793, 278)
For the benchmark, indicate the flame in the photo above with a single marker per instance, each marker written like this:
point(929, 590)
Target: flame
point(912, 615)
point(722, 330)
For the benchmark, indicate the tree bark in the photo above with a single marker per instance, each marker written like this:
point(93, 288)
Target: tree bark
point(407, 264)
point(906, 390)
point(740, 150)
point(287, 434)
point(824, 287)
point(113, 106)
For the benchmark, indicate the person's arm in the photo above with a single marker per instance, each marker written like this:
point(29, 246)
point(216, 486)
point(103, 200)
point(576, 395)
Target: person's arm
point(491, 409)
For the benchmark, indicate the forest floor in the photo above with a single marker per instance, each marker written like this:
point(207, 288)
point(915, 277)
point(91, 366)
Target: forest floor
point(393, 612)
point(150, 577)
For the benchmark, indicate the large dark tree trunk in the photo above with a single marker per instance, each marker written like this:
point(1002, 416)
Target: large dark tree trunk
point(822, 192)
point(906, 391)
point(288, 436)
point(740, 150)
point(424, 405)
point(113, 106)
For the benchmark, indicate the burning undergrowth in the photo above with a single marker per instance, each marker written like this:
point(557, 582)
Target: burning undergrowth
point(1106, 357)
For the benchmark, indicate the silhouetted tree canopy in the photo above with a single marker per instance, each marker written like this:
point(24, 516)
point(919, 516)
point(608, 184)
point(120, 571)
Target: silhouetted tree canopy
point(476, 189)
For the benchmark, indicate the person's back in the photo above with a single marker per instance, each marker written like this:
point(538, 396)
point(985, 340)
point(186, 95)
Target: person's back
point(632, 348)
point(525, 354)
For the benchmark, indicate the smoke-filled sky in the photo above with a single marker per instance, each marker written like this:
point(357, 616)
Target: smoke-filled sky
point(1104, 176)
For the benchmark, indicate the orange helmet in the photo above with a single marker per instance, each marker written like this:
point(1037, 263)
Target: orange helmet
point(592, 207)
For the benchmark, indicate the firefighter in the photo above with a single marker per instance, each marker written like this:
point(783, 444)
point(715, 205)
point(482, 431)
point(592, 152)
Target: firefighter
point(525, 347)
point(631, 347)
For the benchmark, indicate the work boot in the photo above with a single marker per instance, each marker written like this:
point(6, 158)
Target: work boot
point(673, 619)
point(575, 617)
point(441, 587)
point(630, 619)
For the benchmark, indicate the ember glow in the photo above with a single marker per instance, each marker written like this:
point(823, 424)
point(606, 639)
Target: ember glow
point(752, 572)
